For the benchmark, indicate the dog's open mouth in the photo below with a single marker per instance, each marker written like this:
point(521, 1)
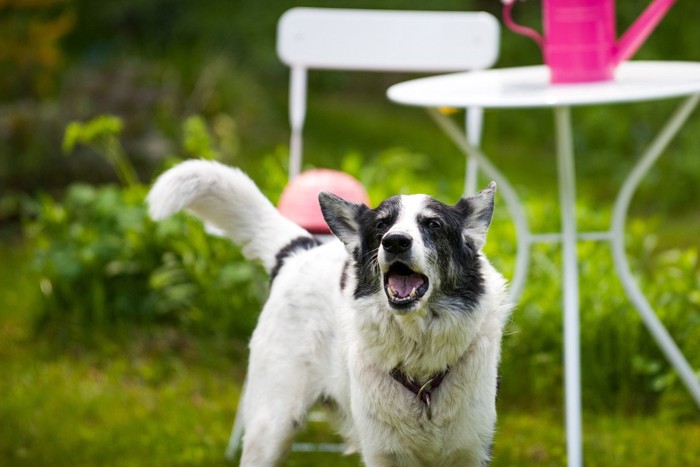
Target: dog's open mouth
point(404, 286)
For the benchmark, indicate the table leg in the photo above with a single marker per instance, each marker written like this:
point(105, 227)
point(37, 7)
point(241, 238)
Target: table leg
point(522, 228)
point(652, 322)
point(572, 349)
point(473, 124)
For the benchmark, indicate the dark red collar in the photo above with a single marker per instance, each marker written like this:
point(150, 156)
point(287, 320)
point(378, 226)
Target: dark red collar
point(422, 391)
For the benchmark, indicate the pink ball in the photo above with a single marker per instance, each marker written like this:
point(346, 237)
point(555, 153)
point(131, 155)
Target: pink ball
point(299, 200)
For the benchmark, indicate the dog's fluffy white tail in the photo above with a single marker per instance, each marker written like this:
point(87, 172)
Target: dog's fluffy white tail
point(229, 200)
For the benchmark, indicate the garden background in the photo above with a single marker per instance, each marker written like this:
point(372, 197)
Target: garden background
point(123, 342)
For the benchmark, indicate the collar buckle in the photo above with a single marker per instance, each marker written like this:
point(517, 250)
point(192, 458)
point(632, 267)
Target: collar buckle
point(424, 392)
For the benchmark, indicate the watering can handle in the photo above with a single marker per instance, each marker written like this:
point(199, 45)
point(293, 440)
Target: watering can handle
point(512, 25)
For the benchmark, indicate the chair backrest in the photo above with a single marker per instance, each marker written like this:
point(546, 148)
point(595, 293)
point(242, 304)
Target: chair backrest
point(420, 41)
point(378, 40)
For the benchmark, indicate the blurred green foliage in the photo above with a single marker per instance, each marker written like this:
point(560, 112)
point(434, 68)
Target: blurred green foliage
point(105, 268)
point(127, 58)
point(104, 265)
point(102, 133)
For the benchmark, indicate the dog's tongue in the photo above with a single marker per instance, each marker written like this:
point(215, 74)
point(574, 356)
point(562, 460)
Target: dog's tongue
point(402, 286)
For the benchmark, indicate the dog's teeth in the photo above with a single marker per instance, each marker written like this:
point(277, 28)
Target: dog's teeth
point(394, 296)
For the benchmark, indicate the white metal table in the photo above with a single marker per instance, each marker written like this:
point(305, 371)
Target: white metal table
point(529, 87)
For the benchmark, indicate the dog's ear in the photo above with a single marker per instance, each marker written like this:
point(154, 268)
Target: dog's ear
point(477, 211)
point(342, 217)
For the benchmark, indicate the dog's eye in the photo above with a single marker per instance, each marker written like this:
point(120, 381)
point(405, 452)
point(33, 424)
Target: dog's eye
point(381, 224)
point(432, 224)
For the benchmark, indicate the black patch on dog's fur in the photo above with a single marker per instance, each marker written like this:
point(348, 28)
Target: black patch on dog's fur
point(457, 257)
point(374, 223)
point(344, 275)
point(296, 245)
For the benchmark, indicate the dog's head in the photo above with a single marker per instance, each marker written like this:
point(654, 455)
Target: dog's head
point(415, 248)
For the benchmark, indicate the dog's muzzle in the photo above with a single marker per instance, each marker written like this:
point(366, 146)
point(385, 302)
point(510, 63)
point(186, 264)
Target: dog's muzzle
point(403, 286)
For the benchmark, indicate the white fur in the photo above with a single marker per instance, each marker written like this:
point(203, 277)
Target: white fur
point(314, 340)
point(227, 199)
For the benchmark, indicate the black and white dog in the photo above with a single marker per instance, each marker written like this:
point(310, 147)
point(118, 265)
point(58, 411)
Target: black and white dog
point(398, 323)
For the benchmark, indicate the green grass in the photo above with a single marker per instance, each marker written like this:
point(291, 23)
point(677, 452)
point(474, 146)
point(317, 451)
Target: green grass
point(537, 438)
point(71, 411)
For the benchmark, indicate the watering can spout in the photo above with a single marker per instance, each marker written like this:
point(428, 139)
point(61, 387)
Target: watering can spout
point(638, 32)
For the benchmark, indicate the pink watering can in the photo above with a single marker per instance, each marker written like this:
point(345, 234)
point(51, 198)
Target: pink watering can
point(579, 42)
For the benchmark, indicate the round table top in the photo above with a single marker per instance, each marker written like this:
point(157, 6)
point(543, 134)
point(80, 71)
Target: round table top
point(522, 87)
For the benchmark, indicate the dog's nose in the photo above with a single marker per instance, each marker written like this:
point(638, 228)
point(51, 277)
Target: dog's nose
point(396, 242)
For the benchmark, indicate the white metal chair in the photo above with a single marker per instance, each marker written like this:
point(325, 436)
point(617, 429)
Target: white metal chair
point(378, 40)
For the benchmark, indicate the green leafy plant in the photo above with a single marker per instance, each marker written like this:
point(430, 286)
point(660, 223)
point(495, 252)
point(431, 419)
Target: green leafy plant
point(104, 264)
point(102, 134)
point(622, 368)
